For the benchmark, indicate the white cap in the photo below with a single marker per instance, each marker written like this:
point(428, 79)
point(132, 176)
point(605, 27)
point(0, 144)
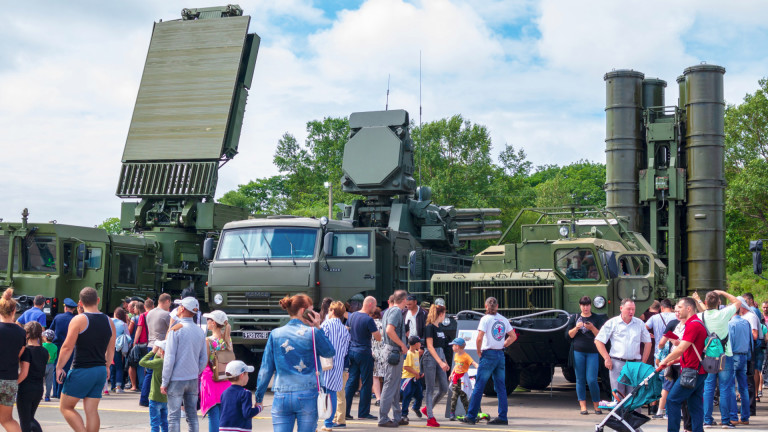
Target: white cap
point(160, 344)
point(190, 304)
point(219, 316)
point(237, 368)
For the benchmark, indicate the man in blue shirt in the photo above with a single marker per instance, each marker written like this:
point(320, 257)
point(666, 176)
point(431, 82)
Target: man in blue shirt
point(60, 326)
point(740, 336)
point(34, 313)
point(361, 328)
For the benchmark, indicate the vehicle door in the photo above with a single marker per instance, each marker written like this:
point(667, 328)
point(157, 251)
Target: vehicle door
point(348, 263)
point(635, 273)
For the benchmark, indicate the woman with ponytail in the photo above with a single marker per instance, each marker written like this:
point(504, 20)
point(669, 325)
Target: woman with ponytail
point(14, 338)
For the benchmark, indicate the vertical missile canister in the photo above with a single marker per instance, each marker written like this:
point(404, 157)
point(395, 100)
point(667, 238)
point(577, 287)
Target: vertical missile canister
point(653, 92)
point(681, 100)
point(624, 143)
point(705, 145)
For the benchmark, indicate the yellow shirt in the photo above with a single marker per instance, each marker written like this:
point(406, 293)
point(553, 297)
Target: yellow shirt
point(412, 360)
point(462, 363)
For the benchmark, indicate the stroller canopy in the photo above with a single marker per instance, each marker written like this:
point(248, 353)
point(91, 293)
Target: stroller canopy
point(633, 374)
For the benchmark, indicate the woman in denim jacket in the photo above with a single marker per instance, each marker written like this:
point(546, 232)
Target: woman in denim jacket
point(290, 357)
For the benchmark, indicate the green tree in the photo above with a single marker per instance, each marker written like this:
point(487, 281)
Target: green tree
point(261, 196)
point(578, 183)
point(112, 225)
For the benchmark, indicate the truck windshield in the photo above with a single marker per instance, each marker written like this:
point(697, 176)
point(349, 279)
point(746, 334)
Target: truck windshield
point(577, 264)
point(38, 254)
point(5, 249)
point(273, 243)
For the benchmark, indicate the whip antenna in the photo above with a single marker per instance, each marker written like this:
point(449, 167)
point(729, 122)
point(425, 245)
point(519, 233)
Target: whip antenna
point(422, 143)
point(386, 105)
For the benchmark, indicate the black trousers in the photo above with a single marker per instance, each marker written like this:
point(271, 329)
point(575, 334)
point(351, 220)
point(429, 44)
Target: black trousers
point(751, 388)
point(27, 401)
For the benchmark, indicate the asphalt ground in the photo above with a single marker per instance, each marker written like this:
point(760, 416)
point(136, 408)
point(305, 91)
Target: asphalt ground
point(557, 410)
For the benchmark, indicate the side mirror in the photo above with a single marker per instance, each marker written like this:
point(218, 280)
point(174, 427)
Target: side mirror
point(328, 244)
point(756, 246)
point(208, 249)
point(80, 267)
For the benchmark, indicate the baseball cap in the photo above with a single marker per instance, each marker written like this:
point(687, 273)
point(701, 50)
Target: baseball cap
point(412, 340)
point(49, 335)
point(68, 302)
point(744, 303)
point(190, 304)
point(160, 344)
point(219, 316)
point(237, 368)
point(459, 342)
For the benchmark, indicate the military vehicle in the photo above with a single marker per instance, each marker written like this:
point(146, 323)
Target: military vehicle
point(393, 237)
point(661, 236)
point(186, 124)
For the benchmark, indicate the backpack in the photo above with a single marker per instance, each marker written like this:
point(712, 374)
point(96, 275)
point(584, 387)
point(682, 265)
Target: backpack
point(714, 350)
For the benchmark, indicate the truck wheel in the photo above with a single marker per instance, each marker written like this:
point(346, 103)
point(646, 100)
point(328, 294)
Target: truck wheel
point(511, 378)
point(569, 373)
point(536, 377)
point(251, 359)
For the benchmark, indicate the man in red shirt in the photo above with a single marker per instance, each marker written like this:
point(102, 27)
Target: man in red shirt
point(693, 339)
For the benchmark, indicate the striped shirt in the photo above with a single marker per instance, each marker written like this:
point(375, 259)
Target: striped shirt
point(338, 334)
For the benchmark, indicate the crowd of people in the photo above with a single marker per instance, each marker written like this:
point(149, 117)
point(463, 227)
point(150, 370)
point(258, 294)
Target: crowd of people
point(400, 356)
point(677, 338)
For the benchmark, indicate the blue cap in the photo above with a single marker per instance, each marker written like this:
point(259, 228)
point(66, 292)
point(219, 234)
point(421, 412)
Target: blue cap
point(459, 342)
point(68, 302)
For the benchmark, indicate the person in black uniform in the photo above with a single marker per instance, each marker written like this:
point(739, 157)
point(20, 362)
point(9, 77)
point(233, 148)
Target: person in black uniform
point(31, 378)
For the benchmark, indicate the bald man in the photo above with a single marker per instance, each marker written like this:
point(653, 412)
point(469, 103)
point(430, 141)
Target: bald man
point(361, 329)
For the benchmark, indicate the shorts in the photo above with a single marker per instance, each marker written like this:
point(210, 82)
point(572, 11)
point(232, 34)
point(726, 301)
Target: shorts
point(759, 360)
point(667, 384)
point(8, 390)
point(86, 382)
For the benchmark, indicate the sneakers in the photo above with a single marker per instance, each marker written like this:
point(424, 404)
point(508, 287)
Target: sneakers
point(498, 421)
point(483, 416)
point(452, 417)
point(741, 422)
point(431, 422)
point(403, 421)
point(418, 413)
point(465, 419)
point(423, 411)
point(709, 425)
point(729, 425)
point(389, 424)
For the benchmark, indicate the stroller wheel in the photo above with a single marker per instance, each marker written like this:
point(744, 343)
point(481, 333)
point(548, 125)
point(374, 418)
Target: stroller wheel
point(598, 429)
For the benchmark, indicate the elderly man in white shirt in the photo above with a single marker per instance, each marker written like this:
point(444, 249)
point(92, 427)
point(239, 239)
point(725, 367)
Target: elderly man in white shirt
point(627, 335)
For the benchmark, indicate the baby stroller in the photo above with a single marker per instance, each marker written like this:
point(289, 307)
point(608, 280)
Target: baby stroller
point(647, 388)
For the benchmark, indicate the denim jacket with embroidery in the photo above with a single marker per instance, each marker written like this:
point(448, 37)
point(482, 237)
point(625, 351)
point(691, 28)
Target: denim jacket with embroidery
point(289, 355)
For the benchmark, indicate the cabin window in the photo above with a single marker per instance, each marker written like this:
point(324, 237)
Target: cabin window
point(128, 271)
point(38, 254)
point(93, 260)
point(5, 251)
point(350, 245)
point(578, 264)
point(272, 243)
point(634, 265)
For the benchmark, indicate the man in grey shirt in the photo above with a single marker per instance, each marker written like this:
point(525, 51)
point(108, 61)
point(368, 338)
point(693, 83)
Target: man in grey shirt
point(394, 335)
point(158, 319)
point(185, 360)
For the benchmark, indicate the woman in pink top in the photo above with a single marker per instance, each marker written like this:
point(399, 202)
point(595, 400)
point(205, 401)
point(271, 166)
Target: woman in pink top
point(210, 390)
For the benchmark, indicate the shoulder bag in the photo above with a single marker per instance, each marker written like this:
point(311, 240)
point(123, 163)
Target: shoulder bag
point(324, 408)
point(689, 376)
point(219, 365)
point(326, 363)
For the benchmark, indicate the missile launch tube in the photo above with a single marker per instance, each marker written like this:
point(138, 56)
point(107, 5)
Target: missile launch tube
point(705, 146)
point(485, 235)
point(478, 224)
point(466, 213)
point(653, 92)
point(623, 144)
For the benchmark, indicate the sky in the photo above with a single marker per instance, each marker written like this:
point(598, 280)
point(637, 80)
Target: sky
point(530, 71)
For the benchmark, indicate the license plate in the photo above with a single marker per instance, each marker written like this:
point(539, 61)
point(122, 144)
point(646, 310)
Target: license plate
point(257, 295)
point(47, 310)
point(262, 335)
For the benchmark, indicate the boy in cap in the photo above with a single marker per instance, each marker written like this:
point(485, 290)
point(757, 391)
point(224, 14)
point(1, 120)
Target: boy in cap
point(158, 402)
point(237, 408)
point(50, 368)
point(462, 361)
point(409, 386)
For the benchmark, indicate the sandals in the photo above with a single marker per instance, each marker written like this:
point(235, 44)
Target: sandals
point(598, 411)
point(585, 412)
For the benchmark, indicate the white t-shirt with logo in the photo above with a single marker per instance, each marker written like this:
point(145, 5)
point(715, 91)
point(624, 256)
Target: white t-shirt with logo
point(495, 328)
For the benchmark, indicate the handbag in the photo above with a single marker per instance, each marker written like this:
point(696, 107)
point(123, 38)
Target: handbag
point(689, 376)
point(393, 357)
point(326, 363)
point(219, 365)
point(324, 408)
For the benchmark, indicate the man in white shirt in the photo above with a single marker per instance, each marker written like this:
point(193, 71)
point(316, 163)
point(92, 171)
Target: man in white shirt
point(627, 335)
point(657, 324)
point(494, 334)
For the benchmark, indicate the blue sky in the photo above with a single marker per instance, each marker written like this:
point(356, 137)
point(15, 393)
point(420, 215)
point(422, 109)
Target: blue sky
point(531, 71)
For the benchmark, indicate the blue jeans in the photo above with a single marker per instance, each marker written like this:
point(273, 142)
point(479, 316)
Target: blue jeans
point(299, 407)
point(411, 391)
point(145, 387)
point(360, 368)
point(491, 365)
point(50, 371)
point(725, 378)
point(214, 416)
point(586, 366)
point(158, 416)
point(329, 421)
point(694, 397)
point(116, 371)
point(740, 376)
point(183, 391)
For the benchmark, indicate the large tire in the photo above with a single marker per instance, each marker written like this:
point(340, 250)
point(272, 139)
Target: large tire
point(251, 359)
point(536, 377)
point(511, 379)
point(569, 373)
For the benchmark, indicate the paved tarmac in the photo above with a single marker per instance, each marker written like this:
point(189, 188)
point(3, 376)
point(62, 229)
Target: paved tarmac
point(528, 411)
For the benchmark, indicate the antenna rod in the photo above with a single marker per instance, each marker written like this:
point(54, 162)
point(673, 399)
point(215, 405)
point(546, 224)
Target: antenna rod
point(422, 143)
point(386, 106)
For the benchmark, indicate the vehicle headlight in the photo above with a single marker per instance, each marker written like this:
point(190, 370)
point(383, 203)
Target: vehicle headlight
point(447, 321)
point(218, 299)
point(564, 231)
point(599, 302)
